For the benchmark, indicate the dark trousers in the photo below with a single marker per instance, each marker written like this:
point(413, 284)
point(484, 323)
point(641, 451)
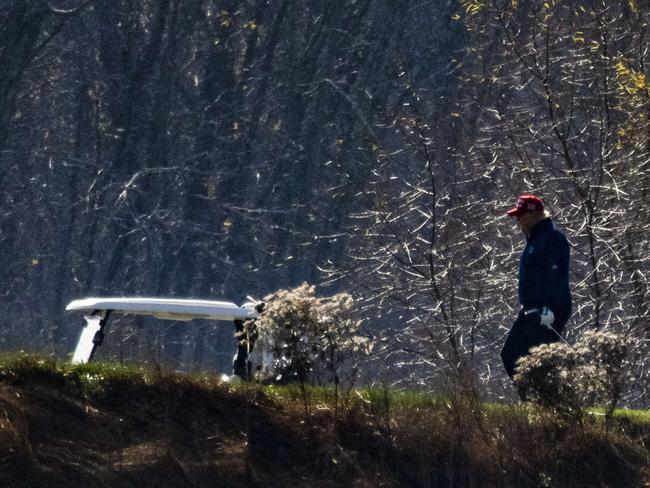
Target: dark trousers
point(241, 365)
point(527, 333)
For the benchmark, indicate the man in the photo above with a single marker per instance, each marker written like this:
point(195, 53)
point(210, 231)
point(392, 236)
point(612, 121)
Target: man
point(543, 283)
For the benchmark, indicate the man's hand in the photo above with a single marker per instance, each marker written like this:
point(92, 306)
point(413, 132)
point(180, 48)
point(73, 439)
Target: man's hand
point(547, 318)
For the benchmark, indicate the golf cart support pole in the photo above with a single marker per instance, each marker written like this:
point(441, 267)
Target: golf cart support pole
point(98, 340)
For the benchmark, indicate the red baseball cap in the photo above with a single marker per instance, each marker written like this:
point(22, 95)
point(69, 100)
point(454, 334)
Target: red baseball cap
point(526, 203)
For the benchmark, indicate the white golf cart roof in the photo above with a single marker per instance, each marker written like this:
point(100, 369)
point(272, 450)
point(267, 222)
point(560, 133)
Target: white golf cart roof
point(166, 308)
point(100, 309)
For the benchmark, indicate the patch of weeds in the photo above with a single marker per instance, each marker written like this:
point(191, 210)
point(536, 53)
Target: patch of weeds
point(107, 379)
point(22, 368)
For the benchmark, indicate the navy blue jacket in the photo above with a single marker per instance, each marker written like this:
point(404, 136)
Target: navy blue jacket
point(544, 269)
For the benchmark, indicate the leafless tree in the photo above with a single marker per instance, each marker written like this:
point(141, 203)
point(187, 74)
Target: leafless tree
point(569, 122)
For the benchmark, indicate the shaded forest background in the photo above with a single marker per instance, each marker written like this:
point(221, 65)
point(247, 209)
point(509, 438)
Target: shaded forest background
point(217, 148)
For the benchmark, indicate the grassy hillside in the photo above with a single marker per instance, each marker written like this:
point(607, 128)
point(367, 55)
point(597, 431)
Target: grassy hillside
point(120, 426)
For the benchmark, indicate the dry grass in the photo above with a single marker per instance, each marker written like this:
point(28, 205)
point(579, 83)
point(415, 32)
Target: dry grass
point(118, 426)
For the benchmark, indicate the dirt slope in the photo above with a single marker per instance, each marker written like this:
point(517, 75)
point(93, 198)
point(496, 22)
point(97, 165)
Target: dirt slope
point(168, 433)
point(109, 426)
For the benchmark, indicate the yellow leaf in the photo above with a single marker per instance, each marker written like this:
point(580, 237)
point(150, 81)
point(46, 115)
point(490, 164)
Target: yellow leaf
point(225, 18)
point(472, 7)
point(34, 262)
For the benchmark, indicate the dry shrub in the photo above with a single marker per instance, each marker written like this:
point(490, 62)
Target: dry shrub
point(606, 369)
point(459, 441)
point(548, 376)
point(563, 380)
point(447, 440)
point(308, 336)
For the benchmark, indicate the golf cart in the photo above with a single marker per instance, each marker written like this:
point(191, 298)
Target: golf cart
point(99, 310)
